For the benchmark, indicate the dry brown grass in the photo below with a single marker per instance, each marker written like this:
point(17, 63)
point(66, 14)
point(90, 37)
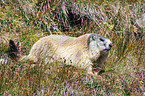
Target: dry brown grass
point(24, 22)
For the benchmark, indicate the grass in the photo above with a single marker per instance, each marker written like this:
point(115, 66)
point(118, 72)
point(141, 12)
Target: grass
point(26, 21)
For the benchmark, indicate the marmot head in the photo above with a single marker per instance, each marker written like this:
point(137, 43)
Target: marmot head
point(98, 42)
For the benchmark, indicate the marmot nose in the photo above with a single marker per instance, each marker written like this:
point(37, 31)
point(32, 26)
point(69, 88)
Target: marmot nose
point(110, 45)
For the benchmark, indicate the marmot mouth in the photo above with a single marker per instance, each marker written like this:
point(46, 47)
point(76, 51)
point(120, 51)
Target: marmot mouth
point(107, 49)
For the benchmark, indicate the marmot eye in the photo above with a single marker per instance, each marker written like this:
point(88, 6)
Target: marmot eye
point(101, 39)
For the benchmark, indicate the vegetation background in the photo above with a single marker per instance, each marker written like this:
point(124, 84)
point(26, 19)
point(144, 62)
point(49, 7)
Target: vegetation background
point(25, 21)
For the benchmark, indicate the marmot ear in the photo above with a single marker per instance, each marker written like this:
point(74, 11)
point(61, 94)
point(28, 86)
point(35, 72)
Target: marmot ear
point(93, 37)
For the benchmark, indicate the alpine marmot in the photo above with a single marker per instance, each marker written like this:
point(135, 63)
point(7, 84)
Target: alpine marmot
point(88, 51)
